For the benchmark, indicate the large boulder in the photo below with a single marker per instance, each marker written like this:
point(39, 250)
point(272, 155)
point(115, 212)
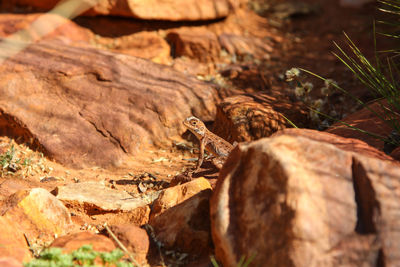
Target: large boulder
point(298, 201)
point(85, 107)
point(179, 10)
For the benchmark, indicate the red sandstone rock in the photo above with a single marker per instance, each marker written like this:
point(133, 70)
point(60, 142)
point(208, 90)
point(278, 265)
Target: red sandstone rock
point(155, 9)
point(174, 195)
point(347, 144)
point(149, 45)
point(242, 45)
point(12, 243)
point(68, 30)
point(95, 198)
point(74, 241)
point(252, 116)
point(186, 226)
point(10, 262)
point(10, 186)
point(135, 239)
point(198, 43)
point(293, 200)
point(37, 213)
point(365, 120)
point(86, 107)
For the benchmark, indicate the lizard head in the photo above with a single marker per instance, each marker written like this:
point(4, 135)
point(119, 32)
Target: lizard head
point(196, 126)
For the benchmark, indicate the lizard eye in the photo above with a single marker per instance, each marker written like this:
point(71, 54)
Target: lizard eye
point(194, 122)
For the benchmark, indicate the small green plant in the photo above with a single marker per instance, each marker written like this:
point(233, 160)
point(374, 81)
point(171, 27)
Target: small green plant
point(83, 256)
point(8, 161)
point(22, 161)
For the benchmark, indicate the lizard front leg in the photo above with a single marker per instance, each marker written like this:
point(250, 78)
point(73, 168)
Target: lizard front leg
point(201, 154)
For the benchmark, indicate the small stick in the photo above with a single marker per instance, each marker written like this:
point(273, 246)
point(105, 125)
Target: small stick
point(29, 245)
point(121, 245)
point(150, 231)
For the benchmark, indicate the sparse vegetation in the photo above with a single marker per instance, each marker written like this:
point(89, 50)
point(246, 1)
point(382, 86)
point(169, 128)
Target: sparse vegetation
point(302, 91)
point(83, 256)
point(379, 77)
point(21, 160)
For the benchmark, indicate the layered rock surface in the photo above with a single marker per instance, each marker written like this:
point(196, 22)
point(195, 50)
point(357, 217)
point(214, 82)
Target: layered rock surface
point(84, 107)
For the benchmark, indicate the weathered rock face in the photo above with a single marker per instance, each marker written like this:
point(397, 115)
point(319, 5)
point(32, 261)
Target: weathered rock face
point(296, 201)
point(154, 9)
point(253, 116)
point(94, 198)
point(83, 106)
point(149, 45)
point(186, 226)
point(37, 212)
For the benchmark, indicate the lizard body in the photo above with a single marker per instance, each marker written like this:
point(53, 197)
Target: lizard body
point(210, 142)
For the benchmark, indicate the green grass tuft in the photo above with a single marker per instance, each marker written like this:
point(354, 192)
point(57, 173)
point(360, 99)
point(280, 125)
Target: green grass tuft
point(83, 256)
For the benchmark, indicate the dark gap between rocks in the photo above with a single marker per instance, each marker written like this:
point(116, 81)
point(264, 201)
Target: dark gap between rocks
point(368, 207)
point(12, 128)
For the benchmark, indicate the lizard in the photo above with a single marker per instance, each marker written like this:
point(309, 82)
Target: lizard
point(209, 141)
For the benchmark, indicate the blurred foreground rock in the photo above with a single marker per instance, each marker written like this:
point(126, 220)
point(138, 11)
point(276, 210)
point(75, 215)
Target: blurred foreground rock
point(37, 213)
point(293, 200)
point(135, 239)
point(86, 107)
point(10, 262)
point(74, 241)
point(13, 246)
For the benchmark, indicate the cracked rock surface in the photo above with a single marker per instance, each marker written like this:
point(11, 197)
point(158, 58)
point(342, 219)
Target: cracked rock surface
point(88, 107)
